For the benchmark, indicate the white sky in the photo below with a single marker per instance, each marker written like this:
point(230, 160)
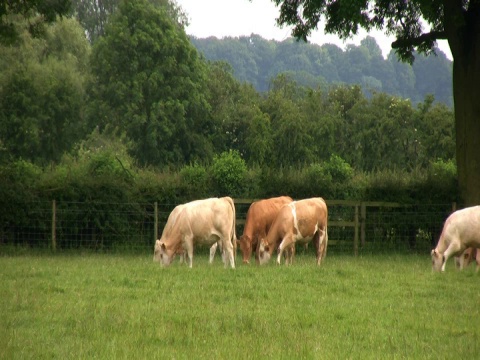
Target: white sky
point(235, 18)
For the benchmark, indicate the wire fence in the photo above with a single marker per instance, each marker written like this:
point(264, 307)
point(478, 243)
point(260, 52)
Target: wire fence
point(354, 227)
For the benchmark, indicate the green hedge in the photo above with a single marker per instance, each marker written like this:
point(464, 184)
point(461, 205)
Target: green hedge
point(102, 196)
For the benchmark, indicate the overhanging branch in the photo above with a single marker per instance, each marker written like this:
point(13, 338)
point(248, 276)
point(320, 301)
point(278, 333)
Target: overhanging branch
point(422, 39)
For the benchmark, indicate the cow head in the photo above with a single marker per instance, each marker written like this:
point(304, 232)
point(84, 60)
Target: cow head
point(264, 253)
point(161, 254)
point(437, 260)
point(245, 244)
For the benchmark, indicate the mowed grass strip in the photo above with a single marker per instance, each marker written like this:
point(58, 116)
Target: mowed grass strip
point(107, 306)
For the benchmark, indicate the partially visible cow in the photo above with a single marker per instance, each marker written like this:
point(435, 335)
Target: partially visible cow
point(172, 218)
point(207, 222)
point(260, 216)
point(460, 231)
point(469, 255)
point(298, 222)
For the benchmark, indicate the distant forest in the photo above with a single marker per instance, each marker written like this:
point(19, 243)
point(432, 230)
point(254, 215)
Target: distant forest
point(257, 61)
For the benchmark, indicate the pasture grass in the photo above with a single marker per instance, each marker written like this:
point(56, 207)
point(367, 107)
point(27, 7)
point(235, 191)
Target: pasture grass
point(124, 307)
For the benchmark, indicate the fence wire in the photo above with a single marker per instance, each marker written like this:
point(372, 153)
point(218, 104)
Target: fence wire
point(110, 227)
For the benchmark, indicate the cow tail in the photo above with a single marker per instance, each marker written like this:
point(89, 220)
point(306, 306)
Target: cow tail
point(233, 235)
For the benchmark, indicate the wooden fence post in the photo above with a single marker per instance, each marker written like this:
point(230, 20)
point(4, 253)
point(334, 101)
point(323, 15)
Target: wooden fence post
point(355, 239)
point(54, 225)
point(363, 223)
point(155, 230)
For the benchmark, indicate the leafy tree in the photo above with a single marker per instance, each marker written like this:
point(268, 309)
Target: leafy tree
point(42, 93)
point(292, 140)
point(455, 21)
point(436, 130)
point(149, 83)
point(32, 15)
point(94, 14)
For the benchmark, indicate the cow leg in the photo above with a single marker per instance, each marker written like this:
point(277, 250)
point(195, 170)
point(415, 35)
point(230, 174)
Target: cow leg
point(228, 253)
point(459, 262)
point(477, 259)
point(318, 246)
point(286, 242)
point(213, 250)
point(290, 255)
point(188, 246)
point(453, 248)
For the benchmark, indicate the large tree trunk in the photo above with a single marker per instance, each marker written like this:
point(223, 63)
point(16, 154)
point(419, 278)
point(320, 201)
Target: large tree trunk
point(466, 81)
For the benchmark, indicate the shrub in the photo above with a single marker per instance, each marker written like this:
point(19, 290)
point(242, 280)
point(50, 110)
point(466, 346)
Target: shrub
point(195, 180)
point(228, 173)
point(338, 168)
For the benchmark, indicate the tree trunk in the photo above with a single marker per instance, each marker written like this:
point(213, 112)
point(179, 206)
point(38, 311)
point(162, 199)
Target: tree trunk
point(466, 80)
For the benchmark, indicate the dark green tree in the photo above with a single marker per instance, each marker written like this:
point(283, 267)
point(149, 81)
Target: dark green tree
point(32, 15)
point(455, 21)
point(292, 140)
point(94, 14)
point(436, 129)
point(149, 82)
point(42, 93)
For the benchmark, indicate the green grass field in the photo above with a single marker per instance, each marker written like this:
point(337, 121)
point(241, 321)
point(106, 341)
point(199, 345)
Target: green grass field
point(127, 307)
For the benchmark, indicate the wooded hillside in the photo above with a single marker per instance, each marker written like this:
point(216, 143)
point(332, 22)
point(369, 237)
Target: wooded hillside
point(256, 61)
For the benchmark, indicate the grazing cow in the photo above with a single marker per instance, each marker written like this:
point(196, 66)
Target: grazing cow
point(470, 255)
point(207, 222)
point(260, 216)
point(460, 231)
point(300, 221)
point(172, 218)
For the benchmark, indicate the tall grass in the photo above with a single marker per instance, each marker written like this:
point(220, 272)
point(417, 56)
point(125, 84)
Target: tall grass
point(105, 306)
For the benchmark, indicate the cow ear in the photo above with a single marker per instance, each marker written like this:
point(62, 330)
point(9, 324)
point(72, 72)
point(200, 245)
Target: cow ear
point(164, 248)
point(434, 252)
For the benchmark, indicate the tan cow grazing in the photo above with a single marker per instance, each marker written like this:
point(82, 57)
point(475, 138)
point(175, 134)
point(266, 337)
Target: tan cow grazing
point(300, 221)
point(469, 255)
point(260, 216)
point(460, 231)
point(172, 218)
point(206, 222)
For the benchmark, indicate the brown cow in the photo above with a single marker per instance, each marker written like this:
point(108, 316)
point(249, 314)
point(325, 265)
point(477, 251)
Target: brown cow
point(206, 222)
point(260, 216)
point(300, 221)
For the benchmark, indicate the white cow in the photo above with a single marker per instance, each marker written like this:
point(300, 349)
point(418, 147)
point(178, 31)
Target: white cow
point(167, 230)
point(207, 222)
point(461, 231)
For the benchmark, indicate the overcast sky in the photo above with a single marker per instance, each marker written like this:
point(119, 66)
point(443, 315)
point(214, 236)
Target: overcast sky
point(222, 18)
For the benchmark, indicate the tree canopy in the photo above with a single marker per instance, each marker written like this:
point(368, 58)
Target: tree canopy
point(149, 84)
point(456, 21)
point(30, 14)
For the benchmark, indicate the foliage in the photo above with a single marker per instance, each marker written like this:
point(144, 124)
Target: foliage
point(156, 96)
point(338, 169)
point(228, 173)
point(196, 180)
point(31, 15)
point(42, 94)
point(454, 21)
point(320, 66)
